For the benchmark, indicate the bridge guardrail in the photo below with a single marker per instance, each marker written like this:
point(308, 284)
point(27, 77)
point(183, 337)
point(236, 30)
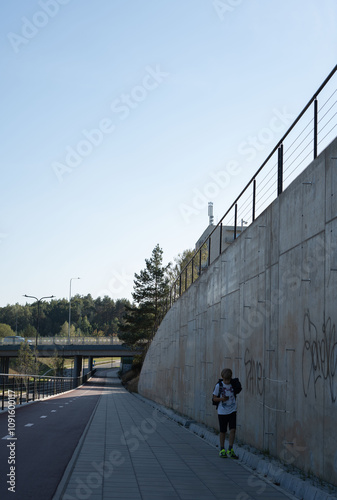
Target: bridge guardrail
point(73, 341)
point(310, 133)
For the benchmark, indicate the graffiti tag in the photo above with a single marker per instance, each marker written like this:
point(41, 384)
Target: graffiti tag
point(319, 356)
point(254, 374)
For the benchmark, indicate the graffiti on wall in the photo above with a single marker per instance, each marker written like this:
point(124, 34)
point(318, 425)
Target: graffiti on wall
point(319, 356)
point(254, 374)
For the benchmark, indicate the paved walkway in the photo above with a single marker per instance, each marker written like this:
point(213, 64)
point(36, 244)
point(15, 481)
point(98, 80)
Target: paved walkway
point(132, 451)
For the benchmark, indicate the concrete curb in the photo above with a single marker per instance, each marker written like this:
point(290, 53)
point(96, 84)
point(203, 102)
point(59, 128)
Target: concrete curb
point(268, 469)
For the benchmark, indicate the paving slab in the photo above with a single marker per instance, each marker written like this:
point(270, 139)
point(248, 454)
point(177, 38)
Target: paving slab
point(132, 451)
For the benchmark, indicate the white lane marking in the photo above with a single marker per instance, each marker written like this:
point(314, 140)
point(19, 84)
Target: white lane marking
point(53, 411)
point(60, 406)
point(9, 437)
point(29, 425)
point(44, 416)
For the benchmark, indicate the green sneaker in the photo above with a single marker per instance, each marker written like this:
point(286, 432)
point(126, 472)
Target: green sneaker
point(231, 454)
point(223, 454)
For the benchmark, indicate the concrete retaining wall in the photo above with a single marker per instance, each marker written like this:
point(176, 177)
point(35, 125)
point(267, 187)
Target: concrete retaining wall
point(266, 308)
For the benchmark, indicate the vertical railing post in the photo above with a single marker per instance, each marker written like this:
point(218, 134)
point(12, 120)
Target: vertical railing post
point(3, 393)
point(21, 387)
point(220, 243)
point(186, 278)
point(209, 252)
point(200, 261)
point(315, 127)
point(235, 219)
point(180, 285)
point(254, 199)
point(280, 171)
point(192, 270)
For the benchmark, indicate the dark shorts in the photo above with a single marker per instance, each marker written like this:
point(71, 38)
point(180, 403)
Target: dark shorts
point(227, 420)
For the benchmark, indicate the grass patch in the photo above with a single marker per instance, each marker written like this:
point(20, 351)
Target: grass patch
point(130, 380)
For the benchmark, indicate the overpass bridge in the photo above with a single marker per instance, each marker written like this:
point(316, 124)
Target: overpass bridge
point(78, 348)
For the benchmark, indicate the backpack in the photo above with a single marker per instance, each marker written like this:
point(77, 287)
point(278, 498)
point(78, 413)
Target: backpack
point(237, 388)
point(236, 384)
point(220, 386)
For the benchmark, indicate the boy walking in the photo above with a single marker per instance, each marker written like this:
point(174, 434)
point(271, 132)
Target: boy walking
point(225, 396)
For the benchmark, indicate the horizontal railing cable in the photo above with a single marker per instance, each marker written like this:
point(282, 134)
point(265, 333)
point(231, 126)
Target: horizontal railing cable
point(268, 188)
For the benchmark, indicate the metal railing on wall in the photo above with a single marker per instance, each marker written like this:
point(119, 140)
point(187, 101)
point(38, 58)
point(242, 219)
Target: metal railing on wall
point(26, 388)
point(310, 133)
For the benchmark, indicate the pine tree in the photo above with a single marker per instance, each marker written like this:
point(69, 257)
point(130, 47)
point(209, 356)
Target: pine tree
point(150, 293)
point(181, 262)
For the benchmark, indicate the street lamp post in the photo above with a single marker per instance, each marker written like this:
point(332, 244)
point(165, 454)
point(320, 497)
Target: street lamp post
point(38, 312)
point(70, 307)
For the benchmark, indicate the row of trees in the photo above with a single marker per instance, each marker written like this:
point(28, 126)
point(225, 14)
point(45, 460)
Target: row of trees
point(88, 317)
point(135, 324)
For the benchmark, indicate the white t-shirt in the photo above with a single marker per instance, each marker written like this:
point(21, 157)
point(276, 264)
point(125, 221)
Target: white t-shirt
point(229, 406)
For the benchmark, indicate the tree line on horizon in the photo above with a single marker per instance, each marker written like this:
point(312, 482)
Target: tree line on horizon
point(134, 323)
point(89, 317)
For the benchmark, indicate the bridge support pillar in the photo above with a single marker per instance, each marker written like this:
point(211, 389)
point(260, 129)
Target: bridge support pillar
point(90, 363)
point(4, 364)
point(77, 366)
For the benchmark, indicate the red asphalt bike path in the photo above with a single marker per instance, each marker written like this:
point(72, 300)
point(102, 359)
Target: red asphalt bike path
point(47, 433)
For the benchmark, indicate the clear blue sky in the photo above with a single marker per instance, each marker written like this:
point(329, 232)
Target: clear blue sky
point(115, 116)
